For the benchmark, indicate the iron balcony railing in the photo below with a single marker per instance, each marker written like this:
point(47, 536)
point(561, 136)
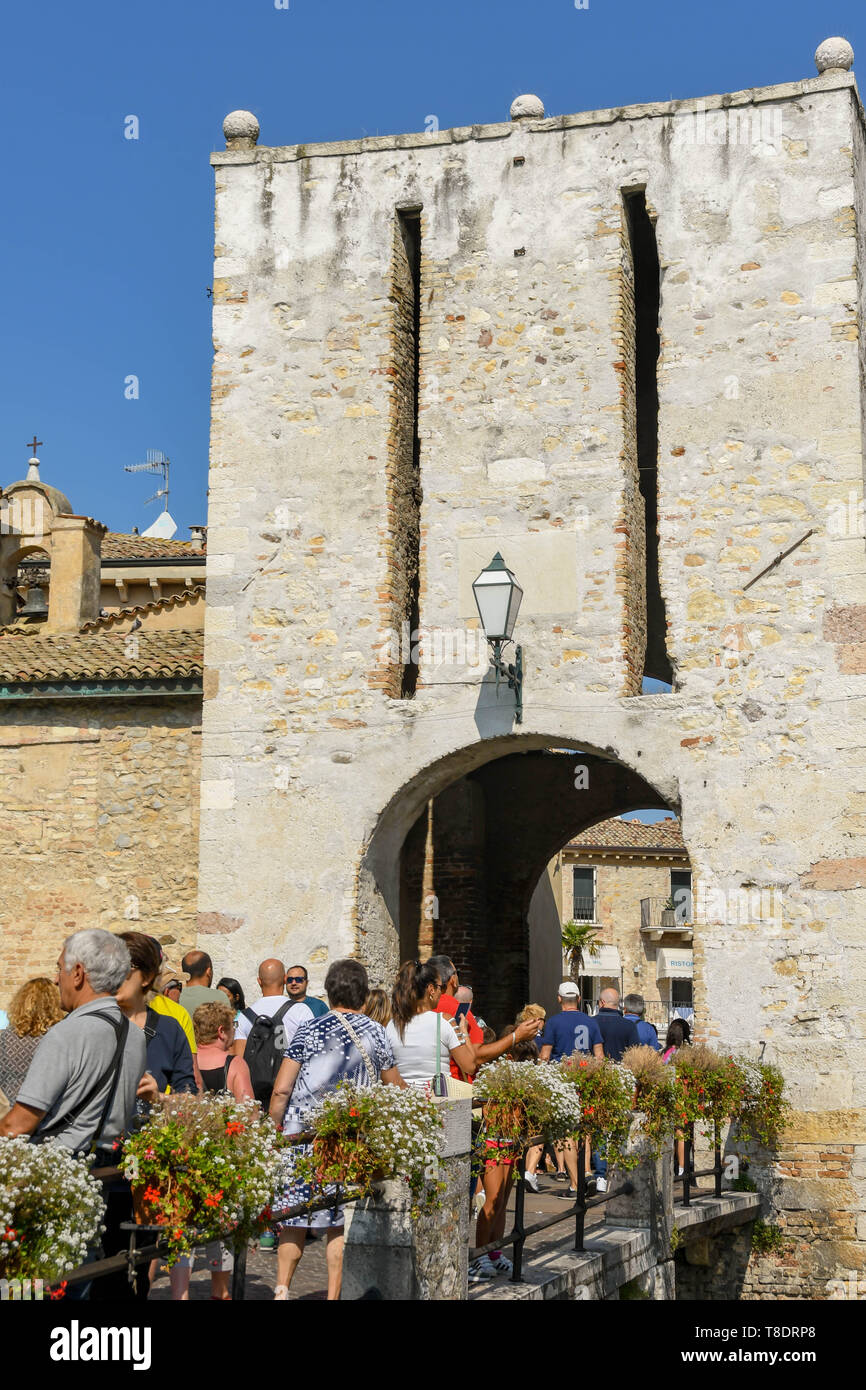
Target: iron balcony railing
point(657, 915)
point(583, 910)
point(660, 1013)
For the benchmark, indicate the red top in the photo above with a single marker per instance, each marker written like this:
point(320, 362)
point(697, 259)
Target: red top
point(448, 1005)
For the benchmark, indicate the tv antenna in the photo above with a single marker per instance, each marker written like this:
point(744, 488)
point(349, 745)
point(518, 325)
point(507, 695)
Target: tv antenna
point(156, 462)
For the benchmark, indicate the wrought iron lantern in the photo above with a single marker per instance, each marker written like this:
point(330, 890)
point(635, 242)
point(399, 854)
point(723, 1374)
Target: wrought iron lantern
point(498, 597)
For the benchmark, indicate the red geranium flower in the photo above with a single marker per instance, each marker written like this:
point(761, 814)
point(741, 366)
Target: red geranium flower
point(152, 1194)
point(59, 1292)
point(235, 1127)
point(213, 1199)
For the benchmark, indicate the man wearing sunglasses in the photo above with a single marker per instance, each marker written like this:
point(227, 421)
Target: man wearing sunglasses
point(296, 989)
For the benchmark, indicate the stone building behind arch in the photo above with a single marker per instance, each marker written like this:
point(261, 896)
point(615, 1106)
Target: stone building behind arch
point(622, 348)
point(101, 647)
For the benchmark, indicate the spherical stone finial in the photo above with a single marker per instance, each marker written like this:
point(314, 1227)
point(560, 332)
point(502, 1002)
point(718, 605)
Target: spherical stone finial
point(527, 107)
point(834, 53)
point(241, 130)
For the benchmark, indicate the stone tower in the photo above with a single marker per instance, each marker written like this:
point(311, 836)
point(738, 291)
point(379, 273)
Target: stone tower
point(621, 348)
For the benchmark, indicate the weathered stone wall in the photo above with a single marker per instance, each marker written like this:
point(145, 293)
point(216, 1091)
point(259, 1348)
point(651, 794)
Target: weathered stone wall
point(312, 778)
point(99, 817)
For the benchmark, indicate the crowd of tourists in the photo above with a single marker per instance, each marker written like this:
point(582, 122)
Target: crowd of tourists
point(84, 1057)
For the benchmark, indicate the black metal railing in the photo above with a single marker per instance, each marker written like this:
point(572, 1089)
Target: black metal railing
point(128, 1260)
point(689, 1178)
point(520, 1232)
point(661, 1012)
point(657, 915)
point(583, 910)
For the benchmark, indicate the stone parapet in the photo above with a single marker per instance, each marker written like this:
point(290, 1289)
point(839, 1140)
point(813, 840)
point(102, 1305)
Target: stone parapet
point(396, 1254)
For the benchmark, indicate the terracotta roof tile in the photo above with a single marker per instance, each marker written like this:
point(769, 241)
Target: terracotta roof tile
point(167, 654)
point(631, 834)
point(127, 615)
point(118, 546)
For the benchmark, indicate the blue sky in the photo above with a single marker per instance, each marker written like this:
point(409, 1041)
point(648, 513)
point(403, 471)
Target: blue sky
point(107, 242)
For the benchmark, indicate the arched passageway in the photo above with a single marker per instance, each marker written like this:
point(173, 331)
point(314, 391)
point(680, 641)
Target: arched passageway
point(461, 878)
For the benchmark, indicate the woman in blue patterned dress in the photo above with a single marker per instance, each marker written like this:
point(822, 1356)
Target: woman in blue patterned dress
point(343, 1045)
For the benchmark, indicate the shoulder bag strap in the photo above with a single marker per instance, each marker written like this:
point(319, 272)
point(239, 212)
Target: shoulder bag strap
point(250, 1015)
point(112, 1073)
point(368, 1065)
point(283, 1010)
point(439, 1084)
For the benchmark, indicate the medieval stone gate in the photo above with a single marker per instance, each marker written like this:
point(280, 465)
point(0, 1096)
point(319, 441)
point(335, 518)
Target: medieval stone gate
point(624, 352)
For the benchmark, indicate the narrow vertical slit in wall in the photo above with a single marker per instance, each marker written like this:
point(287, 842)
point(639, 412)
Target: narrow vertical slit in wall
point(647, 297)
point(408, 518)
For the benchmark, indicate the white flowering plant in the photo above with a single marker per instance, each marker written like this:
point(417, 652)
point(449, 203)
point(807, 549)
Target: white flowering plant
point(523, 1100)
point(204, 1166)
point(364, 1134)
point(51, 1210)
point(764, 1108)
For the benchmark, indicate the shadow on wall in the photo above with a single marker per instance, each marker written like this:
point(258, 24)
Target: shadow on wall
point(545, 940)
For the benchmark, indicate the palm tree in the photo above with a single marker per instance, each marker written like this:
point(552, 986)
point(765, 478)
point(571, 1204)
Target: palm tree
point(577, 939)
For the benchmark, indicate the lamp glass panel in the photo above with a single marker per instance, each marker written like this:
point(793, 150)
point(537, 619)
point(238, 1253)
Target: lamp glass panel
point(493, 596)
point(513, 607)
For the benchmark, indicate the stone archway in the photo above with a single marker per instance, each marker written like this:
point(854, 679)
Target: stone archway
point(455, 857)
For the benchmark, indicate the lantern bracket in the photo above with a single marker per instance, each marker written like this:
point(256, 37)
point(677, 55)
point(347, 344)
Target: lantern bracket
point(512, 672)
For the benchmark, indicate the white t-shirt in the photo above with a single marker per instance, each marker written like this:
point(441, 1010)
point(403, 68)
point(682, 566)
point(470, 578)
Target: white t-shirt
point(415, 1053)
point(270, 1004)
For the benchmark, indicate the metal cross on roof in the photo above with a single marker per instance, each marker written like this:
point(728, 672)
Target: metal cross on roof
point(35, 444)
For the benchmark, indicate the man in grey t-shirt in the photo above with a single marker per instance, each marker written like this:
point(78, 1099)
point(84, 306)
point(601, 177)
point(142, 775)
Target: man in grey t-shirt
point(199, 987)
point(76, 1054)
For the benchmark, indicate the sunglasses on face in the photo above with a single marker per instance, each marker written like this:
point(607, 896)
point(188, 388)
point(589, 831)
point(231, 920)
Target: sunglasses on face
point(296, 979)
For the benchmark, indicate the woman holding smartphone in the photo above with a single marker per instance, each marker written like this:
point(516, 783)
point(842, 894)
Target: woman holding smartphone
point(424, 1041)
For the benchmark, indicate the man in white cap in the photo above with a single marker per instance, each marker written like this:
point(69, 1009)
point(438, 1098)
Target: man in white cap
point(564, 1033)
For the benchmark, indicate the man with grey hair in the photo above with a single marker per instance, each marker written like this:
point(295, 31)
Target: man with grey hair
point(81, 1086)
point(634, 1008)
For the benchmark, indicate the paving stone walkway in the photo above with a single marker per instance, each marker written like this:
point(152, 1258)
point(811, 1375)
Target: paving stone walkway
point(310, 1281)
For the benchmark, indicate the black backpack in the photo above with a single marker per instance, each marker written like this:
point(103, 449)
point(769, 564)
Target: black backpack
point(263, 1052)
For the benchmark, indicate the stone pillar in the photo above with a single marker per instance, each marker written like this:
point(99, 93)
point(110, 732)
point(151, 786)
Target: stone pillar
point(651, 1203)
point(76, 550)
point(398, 1257)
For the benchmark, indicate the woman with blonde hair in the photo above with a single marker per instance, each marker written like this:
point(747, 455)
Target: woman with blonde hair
point(378, 1007)
point(34, 1009)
